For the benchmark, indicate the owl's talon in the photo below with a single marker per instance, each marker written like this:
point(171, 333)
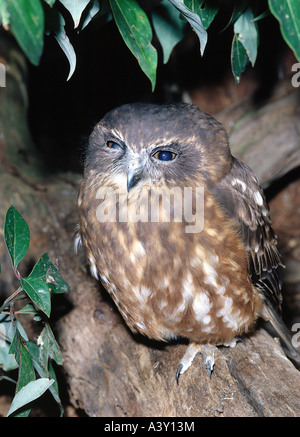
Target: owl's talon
point(178, 372)
point(209, 364)
point(187, 359)
point(208, 354)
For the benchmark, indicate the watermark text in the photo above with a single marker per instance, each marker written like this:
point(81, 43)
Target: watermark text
point(153, 205)
point(296, 77)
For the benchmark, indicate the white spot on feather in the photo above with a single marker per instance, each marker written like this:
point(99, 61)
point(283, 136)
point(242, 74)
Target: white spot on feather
point(141, 325)
point(206, 320)
point(209, 270)
point(138, 248)
point(239, 182)
point(77, 242)
point(221, 290)
point(142, 293)
point(233, 320)
point(93, 268)
point(163, 304)
point(181, 307)
point(188, 288)
point(258, 198)
point(210, 274)
point(225, 311)
point(201, 306)
point(104, 279)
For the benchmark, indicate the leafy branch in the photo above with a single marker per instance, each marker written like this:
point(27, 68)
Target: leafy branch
point(33, 297)
point(28, 20)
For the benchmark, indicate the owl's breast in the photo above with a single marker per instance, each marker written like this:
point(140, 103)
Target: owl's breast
point(168, 281)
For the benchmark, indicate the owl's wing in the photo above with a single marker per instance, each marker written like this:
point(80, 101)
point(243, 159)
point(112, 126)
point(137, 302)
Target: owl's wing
point(242, 198)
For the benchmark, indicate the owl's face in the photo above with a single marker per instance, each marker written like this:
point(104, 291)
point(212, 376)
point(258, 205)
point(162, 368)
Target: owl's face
point(141, 143)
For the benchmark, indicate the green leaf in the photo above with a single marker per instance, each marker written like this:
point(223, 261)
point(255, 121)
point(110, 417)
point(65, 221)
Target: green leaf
point(261, 16)
point(246, 32)
point(26, 370)
point(4, 15)
point(22, 357)
point(7, 361)
point(49, 347)
point(50, 2)
point(27, 309)
point(38, 292)
point(45, 372)
point(92, 11)
point(136, 31)
point(21, 330)
point(75, 8)
point(194, 21)
point(65, 44)
point(52, 375)
point(29, 393)
point(49, 273)
point(169, 28)
point(54, 388)
point(8, 328)
point(288, 14)
point(238, 9)
point(39, 364)
point(27, 26)
point(6, 378)
point(239, 58)
point(204, 10)
point(16, 235)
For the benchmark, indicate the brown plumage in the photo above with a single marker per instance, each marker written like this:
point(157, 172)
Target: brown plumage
point(206, 276)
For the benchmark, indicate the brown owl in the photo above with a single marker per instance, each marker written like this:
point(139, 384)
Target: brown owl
point(177, 229)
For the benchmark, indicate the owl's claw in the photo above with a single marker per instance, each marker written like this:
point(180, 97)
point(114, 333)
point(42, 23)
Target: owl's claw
point(178, 371)
point(208, 355)
point(209, 364)
point(187, 359)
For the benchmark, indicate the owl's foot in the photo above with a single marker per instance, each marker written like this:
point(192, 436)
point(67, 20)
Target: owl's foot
point(206, 351)
point(209, 358)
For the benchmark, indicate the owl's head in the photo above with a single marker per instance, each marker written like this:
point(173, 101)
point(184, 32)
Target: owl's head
point(150, 143)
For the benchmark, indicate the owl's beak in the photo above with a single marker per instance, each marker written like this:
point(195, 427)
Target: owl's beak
point(134, 175)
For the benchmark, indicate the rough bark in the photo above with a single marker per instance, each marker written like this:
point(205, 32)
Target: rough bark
point(109, 371)
point(266, 137)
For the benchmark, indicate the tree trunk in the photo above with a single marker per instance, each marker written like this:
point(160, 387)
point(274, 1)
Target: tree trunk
point(109, 371)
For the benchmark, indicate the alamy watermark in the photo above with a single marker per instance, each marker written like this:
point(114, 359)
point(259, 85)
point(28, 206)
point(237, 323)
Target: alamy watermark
point(296, 77)
point(2, 76)
point(296, 337)
point(153, 205)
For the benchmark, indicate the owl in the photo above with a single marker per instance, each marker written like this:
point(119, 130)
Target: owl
point(178, 230)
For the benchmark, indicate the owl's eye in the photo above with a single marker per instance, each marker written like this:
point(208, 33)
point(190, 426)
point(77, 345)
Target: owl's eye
point(165, 155)
point(114, 146)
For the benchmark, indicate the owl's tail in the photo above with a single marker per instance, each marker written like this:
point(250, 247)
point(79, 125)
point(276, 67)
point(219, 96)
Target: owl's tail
point(271, 315)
